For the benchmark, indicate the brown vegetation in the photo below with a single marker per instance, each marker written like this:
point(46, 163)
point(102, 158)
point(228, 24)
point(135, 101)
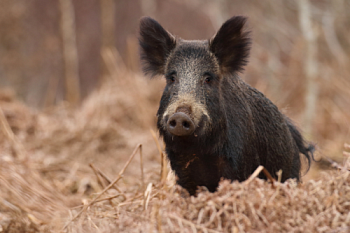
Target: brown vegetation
point(46, 183)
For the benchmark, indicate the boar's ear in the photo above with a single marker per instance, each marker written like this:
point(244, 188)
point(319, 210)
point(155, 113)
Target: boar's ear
point(155, 46)
point(231, 45)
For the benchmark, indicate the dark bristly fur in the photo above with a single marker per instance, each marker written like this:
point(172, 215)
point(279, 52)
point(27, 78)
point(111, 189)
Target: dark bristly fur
point(236, 127)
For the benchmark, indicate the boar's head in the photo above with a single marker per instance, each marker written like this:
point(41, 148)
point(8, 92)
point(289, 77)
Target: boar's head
point(191, 113)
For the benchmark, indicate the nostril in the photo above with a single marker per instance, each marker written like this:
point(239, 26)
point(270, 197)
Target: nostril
point(172, 123)
point(186, 124)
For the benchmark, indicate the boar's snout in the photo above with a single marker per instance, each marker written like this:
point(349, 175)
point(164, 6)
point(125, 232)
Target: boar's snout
point(180, 124)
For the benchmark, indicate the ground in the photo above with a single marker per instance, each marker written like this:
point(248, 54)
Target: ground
point(57, 166)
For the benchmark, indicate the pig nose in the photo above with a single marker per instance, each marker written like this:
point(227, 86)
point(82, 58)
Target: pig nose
point(180, 124)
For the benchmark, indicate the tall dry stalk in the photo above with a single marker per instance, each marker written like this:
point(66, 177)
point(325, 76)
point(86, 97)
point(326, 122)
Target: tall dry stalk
point(132, 56)
point(330, 34)
point(108, 31)
point(70, 52)
point(310, 65)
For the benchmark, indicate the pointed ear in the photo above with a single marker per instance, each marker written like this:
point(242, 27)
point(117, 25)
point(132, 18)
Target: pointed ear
point(155, 46)
point(231, 45)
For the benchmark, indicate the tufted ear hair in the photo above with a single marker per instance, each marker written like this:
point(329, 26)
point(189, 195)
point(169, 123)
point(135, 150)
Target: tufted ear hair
point(155, 46)
point(231, 45)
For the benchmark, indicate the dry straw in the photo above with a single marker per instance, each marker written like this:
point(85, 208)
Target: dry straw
point(56, 170)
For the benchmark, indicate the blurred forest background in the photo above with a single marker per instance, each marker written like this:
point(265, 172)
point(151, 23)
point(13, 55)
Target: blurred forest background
point(59, 52)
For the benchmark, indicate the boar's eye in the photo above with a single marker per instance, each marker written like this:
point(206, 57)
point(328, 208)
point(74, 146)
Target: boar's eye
point(208, 77)
point(171, 77)
point(207, 80)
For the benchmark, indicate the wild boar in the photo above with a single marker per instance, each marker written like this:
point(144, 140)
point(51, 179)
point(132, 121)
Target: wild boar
point(214, 125)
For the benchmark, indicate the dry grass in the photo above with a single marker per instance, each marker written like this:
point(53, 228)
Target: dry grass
point(68, 169)
point(72, 170)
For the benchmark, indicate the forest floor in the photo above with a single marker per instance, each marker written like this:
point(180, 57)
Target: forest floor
point(100, 168)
